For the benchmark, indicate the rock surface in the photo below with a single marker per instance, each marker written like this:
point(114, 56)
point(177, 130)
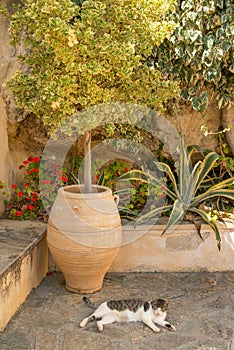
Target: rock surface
point(201, 308)
point(16, 238)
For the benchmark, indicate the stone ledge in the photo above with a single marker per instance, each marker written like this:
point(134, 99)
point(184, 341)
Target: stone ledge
point(23, 263)
point(178, 250)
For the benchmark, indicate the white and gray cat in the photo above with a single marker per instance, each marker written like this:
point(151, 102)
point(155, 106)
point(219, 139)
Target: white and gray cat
point(129, 310)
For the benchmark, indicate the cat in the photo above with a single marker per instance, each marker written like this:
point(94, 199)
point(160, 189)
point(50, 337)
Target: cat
point(129, 310)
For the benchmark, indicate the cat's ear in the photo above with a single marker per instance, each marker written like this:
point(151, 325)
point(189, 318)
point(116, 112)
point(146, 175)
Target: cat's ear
point(154, 300)
point(154, 303)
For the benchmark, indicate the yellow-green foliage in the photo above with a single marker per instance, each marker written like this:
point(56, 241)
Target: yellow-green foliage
point(82, 56)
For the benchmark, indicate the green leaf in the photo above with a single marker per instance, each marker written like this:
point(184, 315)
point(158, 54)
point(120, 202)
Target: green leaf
point(138, 175)
point(166, 168)
point(207, 219)
point(206, 165)
point(196, 102)
point(209, 41)
point(184, 171)
point(223, 184)
point(176, 214)
point(189, 195)
point(212, 75)
point(153, 213)
point(194, 34)
point(213, 193)
point(219, 3)
point(185, 94)
point(101, 179)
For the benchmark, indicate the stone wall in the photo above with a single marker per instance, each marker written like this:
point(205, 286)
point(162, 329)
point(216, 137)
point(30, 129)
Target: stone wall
point(22, 136)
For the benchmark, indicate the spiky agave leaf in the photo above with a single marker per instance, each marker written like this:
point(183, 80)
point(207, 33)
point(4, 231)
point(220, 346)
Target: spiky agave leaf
point(184, 171)
point(211, 194)
point(206, 165)
point(176, 214)
point(153, 213)
point(101, 179)
point(138, 175)
point(223, 184)
point(207, 219)
point(190, 193)
point(166, 168)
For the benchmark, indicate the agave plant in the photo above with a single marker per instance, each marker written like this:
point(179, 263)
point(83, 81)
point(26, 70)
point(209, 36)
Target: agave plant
point(190, 190)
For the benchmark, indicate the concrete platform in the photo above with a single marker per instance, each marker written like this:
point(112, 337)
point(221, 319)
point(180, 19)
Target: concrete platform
point(201, 307)
point(23, 263)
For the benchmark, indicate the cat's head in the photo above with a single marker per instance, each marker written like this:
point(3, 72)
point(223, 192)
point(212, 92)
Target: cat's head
point(159, 305)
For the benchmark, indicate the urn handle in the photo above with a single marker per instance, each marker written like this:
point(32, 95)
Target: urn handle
point(116, 199)
point(76, 208)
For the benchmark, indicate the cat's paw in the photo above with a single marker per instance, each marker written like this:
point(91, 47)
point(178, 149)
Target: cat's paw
point(157, 330)
point(83, 323)
point(100, 327)
point(173, 328)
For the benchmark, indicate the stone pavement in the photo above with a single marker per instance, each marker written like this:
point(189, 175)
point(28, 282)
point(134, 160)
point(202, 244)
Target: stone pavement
point(201, 307)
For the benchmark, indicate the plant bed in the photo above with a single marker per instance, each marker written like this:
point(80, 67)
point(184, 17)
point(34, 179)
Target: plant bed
point(179, 249)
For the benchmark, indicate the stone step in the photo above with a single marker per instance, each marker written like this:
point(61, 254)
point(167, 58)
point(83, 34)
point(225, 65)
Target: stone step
point(23, 263)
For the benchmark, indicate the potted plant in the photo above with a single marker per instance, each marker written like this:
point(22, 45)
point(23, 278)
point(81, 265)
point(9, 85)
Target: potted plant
point(76, 55)
point(188, 190)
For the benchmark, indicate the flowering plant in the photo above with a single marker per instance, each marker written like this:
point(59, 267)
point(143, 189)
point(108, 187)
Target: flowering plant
point(26, 202)
point(35, 196)
point(134, 194)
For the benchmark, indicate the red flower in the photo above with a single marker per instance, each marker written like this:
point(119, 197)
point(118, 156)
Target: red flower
point(30, 207)
point(14, 186)
point(163, 188)
point(29, 159)
point(18, 213)
point(95, 178)
point(33, 199)
point(58, 172)
point(25, 185)
point(162, 195)
point(47, 182)
point(125, 170)
point(63, 178)
point(20, 194)
point(35, 170)
point(28, 172)
point(25, 162)
point(35, 159)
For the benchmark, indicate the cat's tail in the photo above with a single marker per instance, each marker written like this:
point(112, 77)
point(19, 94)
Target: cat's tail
point(89, 302)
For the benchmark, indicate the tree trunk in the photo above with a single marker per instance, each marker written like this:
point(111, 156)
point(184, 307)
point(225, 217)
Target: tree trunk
point(227, 117)
point(87, 163)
